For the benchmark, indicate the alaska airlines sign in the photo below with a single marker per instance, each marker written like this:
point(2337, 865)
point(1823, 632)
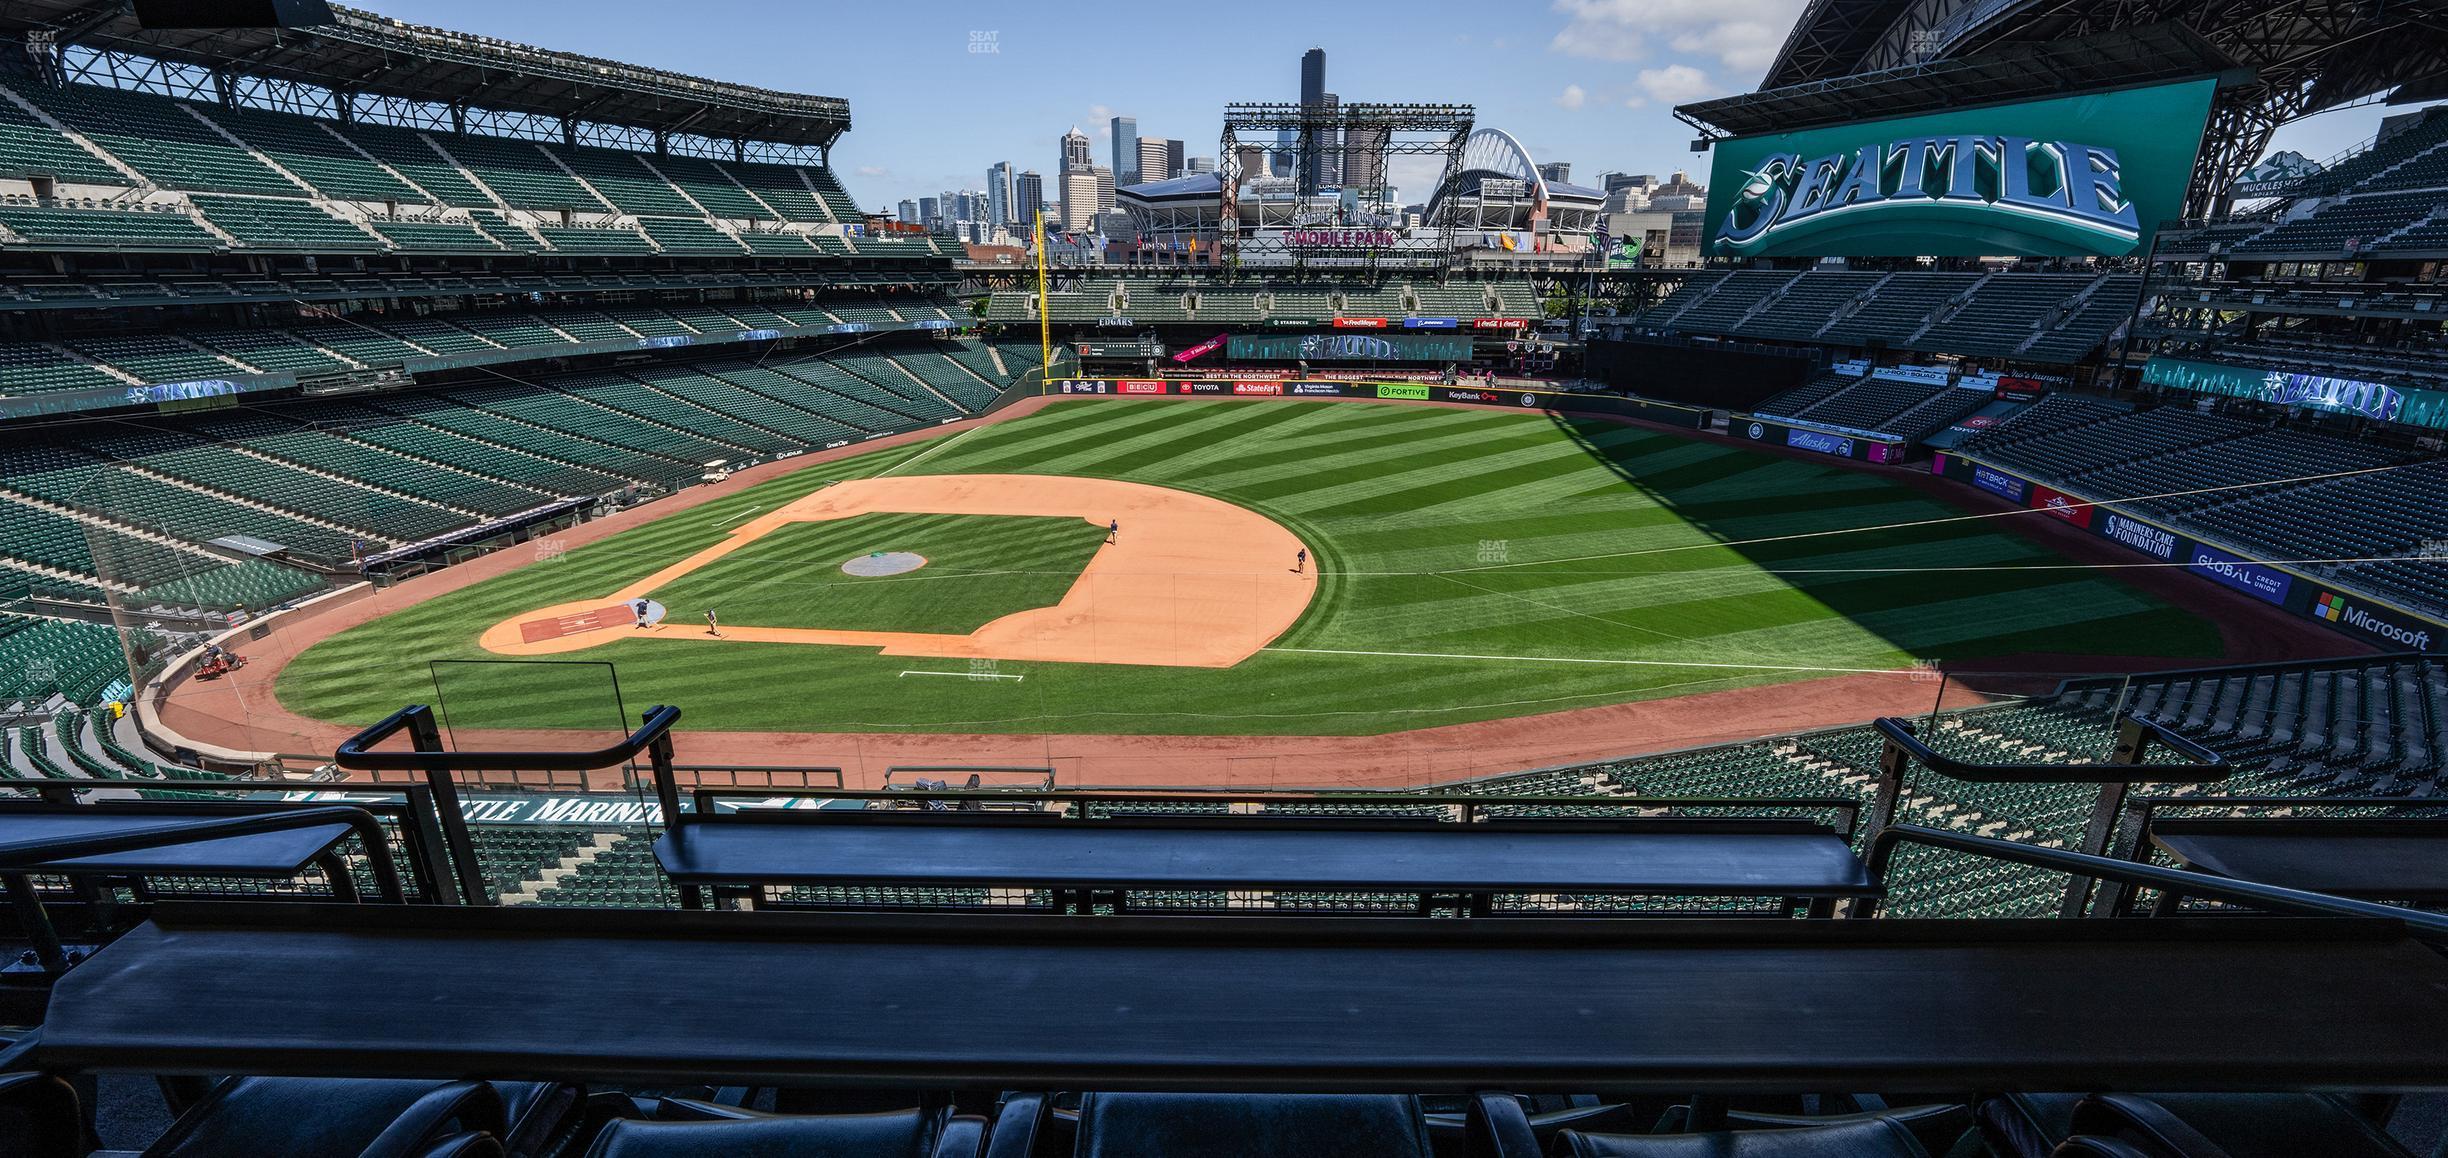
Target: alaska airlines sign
point(2070, 176)
point(2067, 192)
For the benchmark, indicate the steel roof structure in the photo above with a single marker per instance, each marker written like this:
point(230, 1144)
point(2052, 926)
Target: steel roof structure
point(2304, 55)
point(364, 53)
point(2013, 72)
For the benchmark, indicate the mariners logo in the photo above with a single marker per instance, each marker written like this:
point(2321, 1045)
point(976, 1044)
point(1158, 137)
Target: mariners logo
point(1758, 431)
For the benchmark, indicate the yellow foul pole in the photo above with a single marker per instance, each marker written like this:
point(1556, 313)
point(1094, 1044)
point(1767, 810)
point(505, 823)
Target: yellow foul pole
point(1045, 326)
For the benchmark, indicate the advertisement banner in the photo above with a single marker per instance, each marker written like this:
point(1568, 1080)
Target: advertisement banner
point(1139, 386)
point(2385, 626)
point(1407, 391)
point(1360, 323)
point(1823, 443)
point(2062, 505)
point(2373, 400)
point(1318, 389)
point(1349, 348)
point(2088, 175)
point(1432, 323)
point(1079, 386)
point(1258, 388)
point(2143, 537)
point(1999, 483)
point(1207, 387)
point(1925, 375)
point(1500, 324)
point(2020, 389)
point(2240, 573)
point(1201, 350)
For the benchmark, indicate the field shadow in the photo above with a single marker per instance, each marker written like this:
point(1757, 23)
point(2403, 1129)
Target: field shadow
point(1972, 599)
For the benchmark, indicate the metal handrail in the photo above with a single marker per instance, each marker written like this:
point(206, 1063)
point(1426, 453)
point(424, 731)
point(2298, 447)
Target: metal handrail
point(2207, 765)
point(355, 753)
point(2252, 894)
point(18, 857)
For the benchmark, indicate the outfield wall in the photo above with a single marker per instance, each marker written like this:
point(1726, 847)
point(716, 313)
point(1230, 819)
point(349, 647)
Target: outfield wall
point(1854, 444)
point(2372, 621)
point(1507, 398)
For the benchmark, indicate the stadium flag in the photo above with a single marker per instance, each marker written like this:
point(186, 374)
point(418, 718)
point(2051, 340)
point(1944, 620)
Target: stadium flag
point(1506, 239)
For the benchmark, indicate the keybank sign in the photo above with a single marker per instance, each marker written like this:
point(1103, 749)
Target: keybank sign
point(2087, 175)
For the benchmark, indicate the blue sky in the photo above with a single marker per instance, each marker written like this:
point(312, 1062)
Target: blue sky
point(1586, 81)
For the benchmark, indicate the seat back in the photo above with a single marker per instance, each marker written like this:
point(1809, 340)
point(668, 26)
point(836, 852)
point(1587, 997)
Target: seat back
point(1251, 1126)
point(893, 1134)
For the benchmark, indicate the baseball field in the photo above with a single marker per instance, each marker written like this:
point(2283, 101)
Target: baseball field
point(1460, 565)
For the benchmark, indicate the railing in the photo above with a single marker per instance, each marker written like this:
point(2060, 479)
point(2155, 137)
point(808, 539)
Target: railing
point(2115, 777)
point(427, 756)
point(2085, 866)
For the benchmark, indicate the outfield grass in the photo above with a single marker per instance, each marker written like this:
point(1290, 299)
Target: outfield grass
point(979, 568)
point(1474, 564)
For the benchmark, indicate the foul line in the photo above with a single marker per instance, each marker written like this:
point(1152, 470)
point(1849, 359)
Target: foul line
point(930, 450)
point(966, 675)
point(1608, 662)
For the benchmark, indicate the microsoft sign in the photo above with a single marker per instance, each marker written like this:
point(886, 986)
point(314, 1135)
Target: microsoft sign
point(2410, 634)
point(2069, 176)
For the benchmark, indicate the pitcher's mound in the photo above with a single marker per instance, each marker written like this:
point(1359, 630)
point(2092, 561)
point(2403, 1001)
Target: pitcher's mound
point(883, 563)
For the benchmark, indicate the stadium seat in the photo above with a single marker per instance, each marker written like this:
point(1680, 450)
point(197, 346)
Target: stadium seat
point(1866, 1137)
point(313, 1117)
point(712, 1130)
point(40, 1117)
point(1250, 1126)
point(2187, 1125)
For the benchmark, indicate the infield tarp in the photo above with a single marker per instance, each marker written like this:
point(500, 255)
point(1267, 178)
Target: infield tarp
point(2089, 175)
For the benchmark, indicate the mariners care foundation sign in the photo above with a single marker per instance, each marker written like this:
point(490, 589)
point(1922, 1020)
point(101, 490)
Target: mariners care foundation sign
point(2075, 176)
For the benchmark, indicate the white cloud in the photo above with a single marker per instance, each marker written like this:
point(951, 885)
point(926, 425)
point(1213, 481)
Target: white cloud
point(1675, 84)
point(1572, 97)
point(1099, 113)
point(1742, 35)
point(874, 171)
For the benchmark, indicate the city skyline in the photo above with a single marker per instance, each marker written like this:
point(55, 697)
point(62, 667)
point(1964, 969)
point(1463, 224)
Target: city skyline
point(1577, 80)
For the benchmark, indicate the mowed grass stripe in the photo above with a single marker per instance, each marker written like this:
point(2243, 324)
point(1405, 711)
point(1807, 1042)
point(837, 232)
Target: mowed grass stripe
point(1372, 488)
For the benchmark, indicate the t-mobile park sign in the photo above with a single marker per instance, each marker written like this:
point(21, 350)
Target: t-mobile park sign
point(1340, 238)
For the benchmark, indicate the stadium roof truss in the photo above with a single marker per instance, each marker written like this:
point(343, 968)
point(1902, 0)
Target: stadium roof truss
point(1382, 132)
point(2303, 56)
point(404, 73)
point(1499, 186)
